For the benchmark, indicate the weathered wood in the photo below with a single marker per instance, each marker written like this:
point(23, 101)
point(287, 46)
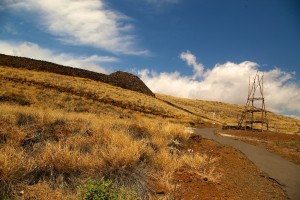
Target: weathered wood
point(250, 109)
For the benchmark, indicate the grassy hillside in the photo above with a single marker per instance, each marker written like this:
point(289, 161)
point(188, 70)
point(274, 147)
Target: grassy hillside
point(46, 90)
point(59, 134)
point(227, 114)
point(84, 95)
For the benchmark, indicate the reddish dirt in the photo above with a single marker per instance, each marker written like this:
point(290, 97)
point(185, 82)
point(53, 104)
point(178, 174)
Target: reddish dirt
point(285, 145)
point(240, 178)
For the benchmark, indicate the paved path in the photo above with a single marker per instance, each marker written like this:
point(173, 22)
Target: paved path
point(284, 172)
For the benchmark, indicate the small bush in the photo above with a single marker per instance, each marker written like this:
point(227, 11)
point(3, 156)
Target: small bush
point(103, 190)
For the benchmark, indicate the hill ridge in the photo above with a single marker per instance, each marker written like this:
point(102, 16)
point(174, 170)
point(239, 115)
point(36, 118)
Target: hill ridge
point(121, 79)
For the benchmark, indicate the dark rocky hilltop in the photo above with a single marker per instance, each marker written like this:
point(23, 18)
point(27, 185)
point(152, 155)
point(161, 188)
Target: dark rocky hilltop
point(121, 79)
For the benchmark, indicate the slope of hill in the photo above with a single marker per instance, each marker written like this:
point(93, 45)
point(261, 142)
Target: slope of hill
point(27, 87)
point(120, 79)
point(227, 114)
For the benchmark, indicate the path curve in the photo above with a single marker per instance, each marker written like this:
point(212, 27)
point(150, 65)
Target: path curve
point(286, 173)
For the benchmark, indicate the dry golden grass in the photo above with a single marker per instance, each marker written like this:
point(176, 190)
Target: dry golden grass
point(227, 114)
point(43, 191)
point(39, 88)
point(48, 153)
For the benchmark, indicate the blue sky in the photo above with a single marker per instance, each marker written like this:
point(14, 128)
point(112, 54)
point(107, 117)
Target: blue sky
point(201, 49)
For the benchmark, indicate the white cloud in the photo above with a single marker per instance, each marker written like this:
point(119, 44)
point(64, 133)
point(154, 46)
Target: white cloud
point(169, 83)
point(32, 50)
point(192, 61)
point(83, 22)
point(228, 82)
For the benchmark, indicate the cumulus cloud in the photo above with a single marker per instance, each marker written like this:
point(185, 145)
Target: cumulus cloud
point(192, 61)
point(84, 22)
point(32, 50)
point(228, 82)
point(169, 83)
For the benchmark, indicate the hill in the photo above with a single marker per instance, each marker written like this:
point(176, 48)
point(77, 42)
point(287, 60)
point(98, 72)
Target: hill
point(58, 132)
point(120, 79)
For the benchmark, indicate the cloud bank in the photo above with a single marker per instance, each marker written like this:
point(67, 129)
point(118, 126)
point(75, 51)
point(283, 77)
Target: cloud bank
point(82, 22)
point(32, 50)
point(227, 82)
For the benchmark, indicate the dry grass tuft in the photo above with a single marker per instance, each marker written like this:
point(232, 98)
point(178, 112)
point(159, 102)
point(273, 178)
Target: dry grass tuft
point(15, 165)
point(42, 191)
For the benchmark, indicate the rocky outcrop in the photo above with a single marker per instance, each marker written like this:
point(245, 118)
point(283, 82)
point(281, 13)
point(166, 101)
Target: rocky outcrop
point(120, 79)
point(129, 81)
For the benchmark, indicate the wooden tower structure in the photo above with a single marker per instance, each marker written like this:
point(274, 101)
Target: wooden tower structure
point(255, 109)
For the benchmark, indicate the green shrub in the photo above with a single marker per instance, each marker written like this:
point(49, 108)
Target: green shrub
point(104, 190)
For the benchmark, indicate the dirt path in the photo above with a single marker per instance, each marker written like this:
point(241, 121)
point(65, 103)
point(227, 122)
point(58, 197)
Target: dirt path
point(287, 174)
